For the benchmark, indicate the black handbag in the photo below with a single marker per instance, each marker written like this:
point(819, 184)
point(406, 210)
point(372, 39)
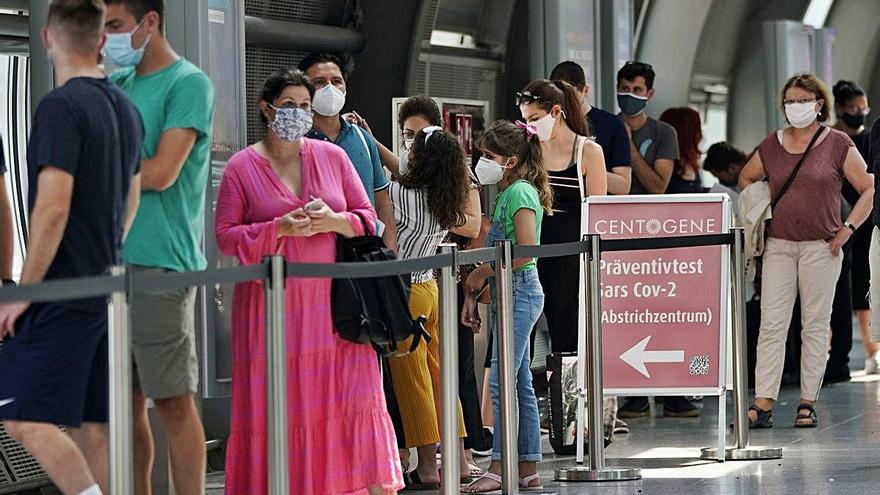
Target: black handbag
point(375, 310)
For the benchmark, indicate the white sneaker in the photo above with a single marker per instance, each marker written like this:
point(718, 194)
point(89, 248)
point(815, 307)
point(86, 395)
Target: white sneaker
point(871, 365)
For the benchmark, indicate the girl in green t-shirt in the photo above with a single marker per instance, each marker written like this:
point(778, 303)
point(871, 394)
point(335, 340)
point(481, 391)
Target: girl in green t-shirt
point(512, 160)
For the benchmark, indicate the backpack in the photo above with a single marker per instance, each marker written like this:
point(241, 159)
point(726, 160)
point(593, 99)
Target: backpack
point(374, 310)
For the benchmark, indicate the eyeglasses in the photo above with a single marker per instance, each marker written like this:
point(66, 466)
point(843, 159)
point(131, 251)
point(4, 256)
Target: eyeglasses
point(792, 101)
point(525, 97)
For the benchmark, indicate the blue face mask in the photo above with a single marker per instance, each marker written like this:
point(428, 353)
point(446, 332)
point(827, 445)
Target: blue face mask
point(118, 49)
point(631, 104)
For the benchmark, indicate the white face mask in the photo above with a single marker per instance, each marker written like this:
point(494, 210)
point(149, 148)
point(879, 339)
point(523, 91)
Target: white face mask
point(404, 156)
point(488, 171)
point(545, 127)
point(801, 115)
point(328, 101)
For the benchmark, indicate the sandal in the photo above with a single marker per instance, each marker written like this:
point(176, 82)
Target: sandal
point(475, 471)
point(489, 476)
point(525, 484)
point(809, 420)
point(764, 418)
point(416, 484)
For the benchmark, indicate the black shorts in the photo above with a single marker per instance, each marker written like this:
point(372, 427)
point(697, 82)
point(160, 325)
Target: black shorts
point(55, 368)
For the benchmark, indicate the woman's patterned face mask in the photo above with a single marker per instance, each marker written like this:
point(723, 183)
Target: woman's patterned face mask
point(291, 123)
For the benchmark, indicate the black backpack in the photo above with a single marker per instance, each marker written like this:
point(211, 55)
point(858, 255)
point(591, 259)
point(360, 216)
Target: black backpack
point(373, 310)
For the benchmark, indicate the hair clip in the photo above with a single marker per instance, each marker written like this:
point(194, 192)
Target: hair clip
point(430, 130)
point(531, 129)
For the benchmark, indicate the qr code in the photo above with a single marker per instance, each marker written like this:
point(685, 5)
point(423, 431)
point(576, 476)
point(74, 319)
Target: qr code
point(699, 366)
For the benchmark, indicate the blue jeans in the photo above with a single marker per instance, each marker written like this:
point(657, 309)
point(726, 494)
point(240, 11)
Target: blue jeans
point(528, 302)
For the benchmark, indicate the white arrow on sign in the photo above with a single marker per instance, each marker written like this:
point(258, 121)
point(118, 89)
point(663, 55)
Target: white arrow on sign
point(637, 356)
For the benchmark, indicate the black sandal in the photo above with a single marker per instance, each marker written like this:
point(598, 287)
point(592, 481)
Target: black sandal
point(813, 420)
point(764, 418)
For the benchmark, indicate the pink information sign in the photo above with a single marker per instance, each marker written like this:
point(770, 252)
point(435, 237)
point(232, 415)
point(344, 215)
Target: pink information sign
point(663, 312)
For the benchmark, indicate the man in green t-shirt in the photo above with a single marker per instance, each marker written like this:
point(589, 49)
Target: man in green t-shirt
point(176, 100)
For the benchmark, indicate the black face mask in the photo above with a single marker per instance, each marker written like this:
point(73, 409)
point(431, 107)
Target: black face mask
point(853, 121)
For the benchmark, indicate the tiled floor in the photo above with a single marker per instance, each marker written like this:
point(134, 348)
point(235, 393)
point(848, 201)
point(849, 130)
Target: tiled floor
point(842, 456)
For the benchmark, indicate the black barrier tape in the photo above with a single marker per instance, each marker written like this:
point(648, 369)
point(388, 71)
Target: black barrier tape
point(474, 256)
point(87, 287)
point(61, 290)
point(368, 270)
point(159, 282)
point(644, 244)
point(551, 250)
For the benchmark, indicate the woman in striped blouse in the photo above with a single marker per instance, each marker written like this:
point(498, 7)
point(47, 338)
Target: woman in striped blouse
point(429, 200)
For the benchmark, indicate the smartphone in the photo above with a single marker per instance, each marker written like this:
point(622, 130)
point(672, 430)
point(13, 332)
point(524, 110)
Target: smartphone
point(314, 205)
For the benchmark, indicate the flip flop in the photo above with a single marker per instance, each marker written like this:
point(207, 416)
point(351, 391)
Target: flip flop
point(525, 484)
point(490, 476)
point(416, 484)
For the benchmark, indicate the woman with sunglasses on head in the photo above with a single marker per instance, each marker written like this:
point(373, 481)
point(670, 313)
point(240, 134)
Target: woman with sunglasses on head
point(430, 198)
point(294, 196)
point(802, 253)
point(575, 166)
point(512, 161)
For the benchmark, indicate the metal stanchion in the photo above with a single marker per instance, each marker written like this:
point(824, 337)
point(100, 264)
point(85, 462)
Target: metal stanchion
point(741, 451)
point(597, 471)
point(506, 379)
point(276, 378)
point(449, 373)
point(119, 346)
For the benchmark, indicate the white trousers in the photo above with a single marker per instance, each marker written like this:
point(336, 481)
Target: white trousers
point(790, 268)
point(874, 259)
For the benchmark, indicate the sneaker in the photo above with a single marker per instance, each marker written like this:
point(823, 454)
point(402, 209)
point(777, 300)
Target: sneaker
point(484, 450)
point(871, 367)
point(620, 427)
point(679, 407)
point(635, 407)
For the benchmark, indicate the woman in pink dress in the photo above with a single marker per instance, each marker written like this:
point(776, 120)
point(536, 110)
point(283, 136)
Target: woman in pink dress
point(341, 438)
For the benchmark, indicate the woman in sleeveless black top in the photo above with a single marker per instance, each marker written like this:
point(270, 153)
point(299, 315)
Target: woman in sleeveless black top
point(554, 109)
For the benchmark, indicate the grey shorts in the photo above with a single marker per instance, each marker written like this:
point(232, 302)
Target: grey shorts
point(163, 341)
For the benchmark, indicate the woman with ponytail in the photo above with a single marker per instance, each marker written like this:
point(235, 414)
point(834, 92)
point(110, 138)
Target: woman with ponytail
point(512, 161)
point(575, 166)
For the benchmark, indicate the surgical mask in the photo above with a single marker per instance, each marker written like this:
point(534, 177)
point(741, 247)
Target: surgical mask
point(545, 127)
point(853, 121)
point(328, 101)
point(118, 49)
point(488, 171)
point(404, 156)
point(291, 123)
point(801, 115)
point(630, 104)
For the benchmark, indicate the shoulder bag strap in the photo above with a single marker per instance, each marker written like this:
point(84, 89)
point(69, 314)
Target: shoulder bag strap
point(582, 187)
point(360, 134)
point(797, 168)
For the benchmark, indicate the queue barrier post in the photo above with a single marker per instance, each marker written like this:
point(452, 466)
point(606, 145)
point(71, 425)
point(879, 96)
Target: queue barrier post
point(276, 377)
point(449, 373)
point(741, 451)
point(596, 469)
point(119, 347)
point(506, 378)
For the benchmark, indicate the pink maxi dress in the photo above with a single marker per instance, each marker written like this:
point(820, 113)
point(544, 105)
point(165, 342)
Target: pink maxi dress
point(341, 437)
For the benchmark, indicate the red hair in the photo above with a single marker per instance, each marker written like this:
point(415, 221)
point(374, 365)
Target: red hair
point(688, 125)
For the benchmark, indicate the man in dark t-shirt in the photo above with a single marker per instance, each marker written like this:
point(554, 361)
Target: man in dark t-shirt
point(608, 130)
point(873, 159)
point(83, 171)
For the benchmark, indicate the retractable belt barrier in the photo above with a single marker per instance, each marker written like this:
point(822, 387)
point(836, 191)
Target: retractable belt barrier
point(120, 285)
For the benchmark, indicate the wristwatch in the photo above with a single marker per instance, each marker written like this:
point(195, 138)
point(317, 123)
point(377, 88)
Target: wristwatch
point(850, 225)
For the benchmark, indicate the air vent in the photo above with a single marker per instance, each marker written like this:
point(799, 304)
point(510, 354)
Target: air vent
point(306, 11)
point(259, 63)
